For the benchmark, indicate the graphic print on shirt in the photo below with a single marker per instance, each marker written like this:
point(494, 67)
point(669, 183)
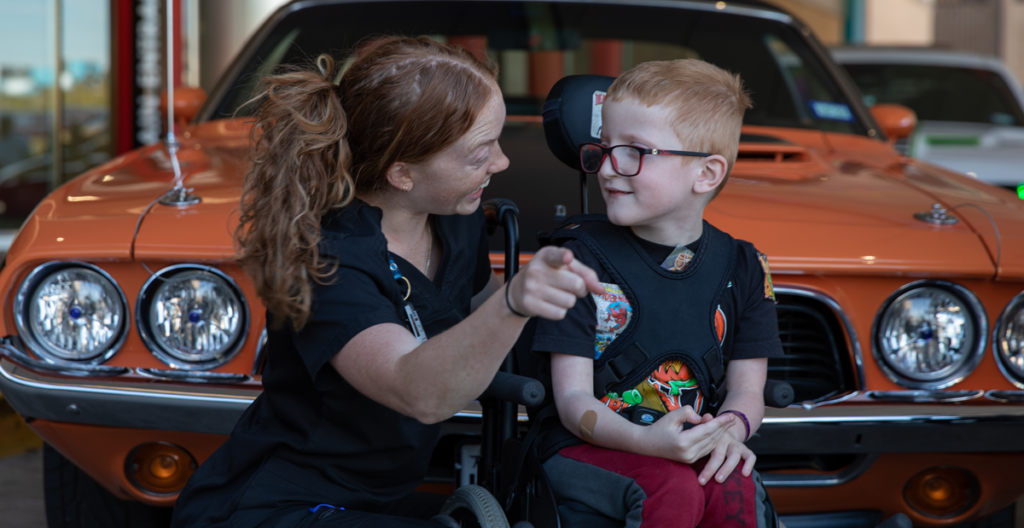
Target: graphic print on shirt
point(613, 315)
point(668, 388)
point(678, 259)
point(674, 384)
point(769, 289)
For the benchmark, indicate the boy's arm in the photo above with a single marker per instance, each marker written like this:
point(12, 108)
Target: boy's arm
point(572, 379)
point(744, 380)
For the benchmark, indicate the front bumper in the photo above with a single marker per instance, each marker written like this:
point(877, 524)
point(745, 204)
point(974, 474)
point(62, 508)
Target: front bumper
point(860, 424)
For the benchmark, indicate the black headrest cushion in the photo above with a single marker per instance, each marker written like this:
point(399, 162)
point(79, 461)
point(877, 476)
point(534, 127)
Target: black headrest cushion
point(572, 115)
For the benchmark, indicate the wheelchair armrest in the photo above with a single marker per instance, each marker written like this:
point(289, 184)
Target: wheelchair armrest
point(777, 393)
point(516, 389)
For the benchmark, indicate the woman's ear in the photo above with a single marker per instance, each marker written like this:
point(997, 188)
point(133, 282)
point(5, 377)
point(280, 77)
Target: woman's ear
point(399, 176)
point(712, 174)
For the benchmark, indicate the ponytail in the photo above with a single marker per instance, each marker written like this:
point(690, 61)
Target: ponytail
point(299, 170)
point(315, 145)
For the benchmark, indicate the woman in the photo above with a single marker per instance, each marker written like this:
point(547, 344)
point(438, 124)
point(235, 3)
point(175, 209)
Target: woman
point(360, 224)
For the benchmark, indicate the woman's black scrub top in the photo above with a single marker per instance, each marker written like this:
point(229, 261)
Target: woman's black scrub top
point(311, 437)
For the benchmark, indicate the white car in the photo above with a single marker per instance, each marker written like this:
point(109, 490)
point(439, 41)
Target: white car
point(968, 107)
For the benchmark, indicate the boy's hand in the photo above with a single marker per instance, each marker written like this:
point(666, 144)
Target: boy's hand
point(549, 285)
point(668, 439)
point(725, 456)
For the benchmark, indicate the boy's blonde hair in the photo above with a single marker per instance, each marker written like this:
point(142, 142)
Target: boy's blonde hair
point(706, 103)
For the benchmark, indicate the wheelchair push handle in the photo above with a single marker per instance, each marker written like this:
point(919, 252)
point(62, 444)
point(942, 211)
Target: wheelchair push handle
point(515, 388)
point(777, 393)
point(502, 212)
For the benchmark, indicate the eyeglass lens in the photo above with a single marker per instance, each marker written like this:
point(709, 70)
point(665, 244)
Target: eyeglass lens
point(625, 159)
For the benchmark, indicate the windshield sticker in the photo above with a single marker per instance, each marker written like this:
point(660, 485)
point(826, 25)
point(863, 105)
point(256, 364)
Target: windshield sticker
point(830, 111)
point(595, 115)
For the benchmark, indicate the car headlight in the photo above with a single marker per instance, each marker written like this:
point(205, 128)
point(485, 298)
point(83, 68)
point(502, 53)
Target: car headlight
point(1008, 341)
point(71, 312)
point(192, 317)
point(930, 334)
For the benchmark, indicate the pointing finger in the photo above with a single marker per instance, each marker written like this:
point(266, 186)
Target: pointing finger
point(588, 275)
point(555, 257)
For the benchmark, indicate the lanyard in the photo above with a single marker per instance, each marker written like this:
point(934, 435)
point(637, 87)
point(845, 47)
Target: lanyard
point(411, 317)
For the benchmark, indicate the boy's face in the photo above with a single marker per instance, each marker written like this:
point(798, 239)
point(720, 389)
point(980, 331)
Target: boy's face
point(669, 191)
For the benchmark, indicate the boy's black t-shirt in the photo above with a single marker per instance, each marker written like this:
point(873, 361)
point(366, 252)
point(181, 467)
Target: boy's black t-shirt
point(312, 437)
point(746, 323)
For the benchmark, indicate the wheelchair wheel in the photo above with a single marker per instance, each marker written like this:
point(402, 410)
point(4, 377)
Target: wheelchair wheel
point(474, 507)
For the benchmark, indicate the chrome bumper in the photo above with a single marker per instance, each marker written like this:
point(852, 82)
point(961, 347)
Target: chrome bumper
point(860, 424)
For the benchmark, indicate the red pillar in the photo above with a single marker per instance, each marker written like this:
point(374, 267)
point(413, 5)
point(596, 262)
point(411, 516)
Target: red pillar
point(606, 57)
point(475, 44)
point(122, 76)
point(546, 68)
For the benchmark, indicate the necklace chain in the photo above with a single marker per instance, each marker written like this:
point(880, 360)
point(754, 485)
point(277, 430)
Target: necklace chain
point(430, 247)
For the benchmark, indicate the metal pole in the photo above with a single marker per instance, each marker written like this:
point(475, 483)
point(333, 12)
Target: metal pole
point(57, 100)
point(169, 15)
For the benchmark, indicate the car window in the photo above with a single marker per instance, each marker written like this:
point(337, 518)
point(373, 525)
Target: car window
point(536, 43)
point(939, 93)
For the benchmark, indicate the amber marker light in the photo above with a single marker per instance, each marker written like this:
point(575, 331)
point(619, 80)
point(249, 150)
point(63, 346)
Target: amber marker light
point(942, 492)
point(160, 468)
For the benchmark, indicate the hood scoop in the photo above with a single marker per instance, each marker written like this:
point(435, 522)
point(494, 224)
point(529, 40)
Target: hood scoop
point(778, 161)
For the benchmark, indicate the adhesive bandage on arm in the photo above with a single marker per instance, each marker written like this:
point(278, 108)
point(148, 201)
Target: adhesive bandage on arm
point(587, 423)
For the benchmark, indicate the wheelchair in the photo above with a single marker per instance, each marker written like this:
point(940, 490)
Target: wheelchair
point(512, 487)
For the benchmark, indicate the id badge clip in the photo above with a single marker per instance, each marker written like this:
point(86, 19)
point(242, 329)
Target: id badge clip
point(414, 323)
point(411, 317)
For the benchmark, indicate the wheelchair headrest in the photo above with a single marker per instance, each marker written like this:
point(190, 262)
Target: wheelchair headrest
point(572, 115)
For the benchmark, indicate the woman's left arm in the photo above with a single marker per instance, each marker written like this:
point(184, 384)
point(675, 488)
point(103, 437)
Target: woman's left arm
point(493, 285)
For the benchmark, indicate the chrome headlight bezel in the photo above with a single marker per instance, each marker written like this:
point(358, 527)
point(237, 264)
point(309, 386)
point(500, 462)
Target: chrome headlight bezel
point(26, 294)
point(997, 329)
point(142, 305)
point(975, 351)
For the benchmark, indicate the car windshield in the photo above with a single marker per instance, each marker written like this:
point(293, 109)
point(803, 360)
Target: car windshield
point(536, 43)
point(940, 93)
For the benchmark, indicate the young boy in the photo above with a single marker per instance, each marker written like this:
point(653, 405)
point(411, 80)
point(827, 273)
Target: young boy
point(687, 320)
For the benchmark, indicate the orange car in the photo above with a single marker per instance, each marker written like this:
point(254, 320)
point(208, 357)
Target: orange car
point(899, 283)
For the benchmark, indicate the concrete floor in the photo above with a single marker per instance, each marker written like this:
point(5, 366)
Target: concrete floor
point(21, 491)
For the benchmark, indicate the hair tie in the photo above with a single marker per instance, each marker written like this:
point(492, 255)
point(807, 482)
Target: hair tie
point(508, 303)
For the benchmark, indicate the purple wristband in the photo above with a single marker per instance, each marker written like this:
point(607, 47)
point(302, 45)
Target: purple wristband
point(746, 423)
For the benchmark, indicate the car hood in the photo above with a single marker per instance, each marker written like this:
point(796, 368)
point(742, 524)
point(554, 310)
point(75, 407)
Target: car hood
point(993, 153)
point(96, 215)
point(832, 204)
point(816, 203)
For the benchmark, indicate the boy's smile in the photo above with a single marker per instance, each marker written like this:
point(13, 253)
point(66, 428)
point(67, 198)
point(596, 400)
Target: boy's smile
point(665, 202)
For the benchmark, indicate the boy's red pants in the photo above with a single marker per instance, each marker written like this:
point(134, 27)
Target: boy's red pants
point(674, 497)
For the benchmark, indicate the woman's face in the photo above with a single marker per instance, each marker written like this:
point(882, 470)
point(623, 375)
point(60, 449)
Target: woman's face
point(453, 181)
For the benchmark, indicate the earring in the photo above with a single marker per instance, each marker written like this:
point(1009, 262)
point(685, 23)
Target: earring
point(406, 188)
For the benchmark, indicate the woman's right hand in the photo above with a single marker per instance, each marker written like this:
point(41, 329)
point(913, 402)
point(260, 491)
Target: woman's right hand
point(666, 438)
point(550, 284)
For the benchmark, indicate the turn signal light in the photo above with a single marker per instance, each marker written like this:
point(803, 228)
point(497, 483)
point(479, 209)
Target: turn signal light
point(942, 491)
point(160, 468)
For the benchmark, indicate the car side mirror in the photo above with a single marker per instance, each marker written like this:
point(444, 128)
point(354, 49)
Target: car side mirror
point(187, 102)
point(897, 121)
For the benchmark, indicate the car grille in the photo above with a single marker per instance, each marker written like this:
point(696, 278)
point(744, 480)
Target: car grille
point(816, 362)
